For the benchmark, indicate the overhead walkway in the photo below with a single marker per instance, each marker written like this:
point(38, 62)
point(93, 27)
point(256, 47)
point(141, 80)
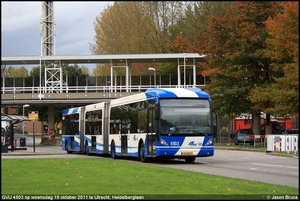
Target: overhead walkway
point(72, 94)
point(56, 65)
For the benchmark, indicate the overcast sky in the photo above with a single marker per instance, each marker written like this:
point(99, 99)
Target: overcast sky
point(74, 27)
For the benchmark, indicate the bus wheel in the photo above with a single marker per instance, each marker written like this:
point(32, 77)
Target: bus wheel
point(66, 146)
point(142, 153)
point(87, 149)
point(113, 150)
point(190, 159)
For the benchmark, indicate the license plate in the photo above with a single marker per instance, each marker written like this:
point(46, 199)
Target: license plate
point(186, 153)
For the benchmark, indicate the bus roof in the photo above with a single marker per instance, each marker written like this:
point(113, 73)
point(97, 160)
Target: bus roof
point(68, 111)
point(176, 93)
point(150, 93)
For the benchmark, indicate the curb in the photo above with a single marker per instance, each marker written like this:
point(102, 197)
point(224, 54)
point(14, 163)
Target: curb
point(267, 152)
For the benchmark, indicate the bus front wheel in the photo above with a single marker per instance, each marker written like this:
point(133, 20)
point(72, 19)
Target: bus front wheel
point(190, 159)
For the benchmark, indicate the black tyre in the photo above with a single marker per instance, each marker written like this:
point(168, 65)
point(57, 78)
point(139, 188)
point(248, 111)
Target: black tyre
point(87, 149)
point(142, 153)
point(68, 151)
point(190, 159)
point(113, 150)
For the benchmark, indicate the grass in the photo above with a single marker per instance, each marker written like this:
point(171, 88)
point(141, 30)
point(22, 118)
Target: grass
point(102, 176)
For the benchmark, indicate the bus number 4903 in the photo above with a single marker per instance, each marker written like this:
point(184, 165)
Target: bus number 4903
point(175, 143)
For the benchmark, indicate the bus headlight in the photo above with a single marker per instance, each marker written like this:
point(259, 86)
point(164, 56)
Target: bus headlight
point(209, 142)
point(163, 142)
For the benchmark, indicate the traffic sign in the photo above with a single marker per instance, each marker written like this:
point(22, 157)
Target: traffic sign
point(33, 115)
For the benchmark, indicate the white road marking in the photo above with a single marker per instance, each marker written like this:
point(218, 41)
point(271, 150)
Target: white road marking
point(283, 166)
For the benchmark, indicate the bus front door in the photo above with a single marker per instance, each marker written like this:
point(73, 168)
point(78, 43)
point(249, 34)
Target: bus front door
point(151, 144)
point(72, 144)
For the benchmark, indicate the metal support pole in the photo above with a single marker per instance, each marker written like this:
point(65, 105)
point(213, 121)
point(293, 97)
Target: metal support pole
point(23, 116)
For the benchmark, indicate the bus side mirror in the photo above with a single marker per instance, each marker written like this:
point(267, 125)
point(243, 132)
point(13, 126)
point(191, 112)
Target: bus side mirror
point(157, 112)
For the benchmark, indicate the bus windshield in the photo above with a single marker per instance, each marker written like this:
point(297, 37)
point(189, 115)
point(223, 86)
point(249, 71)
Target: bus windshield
point(188, 117)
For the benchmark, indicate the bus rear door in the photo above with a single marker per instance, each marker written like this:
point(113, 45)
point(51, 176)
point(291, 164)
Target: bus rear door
point(124, 140)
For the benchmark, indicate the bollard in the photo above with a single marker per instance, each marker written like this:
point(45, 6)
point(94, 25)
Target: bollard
point(280, 145)
point(295, 144)
point(288, 144)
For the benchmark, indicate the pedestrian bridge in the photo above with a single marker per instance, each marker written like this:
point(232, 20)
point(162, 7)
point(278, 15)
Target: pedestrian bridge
point(68, 94)
point(78, 95)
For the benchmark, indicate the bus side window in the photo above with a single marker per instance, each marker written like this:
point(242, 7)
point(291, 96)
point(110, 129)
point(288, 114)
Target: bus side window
point(116, 129)
point(111, 129)
point(124, 130)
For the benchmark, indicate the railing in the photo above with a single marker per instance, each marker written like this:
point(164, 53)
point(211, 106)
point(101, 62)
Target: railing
point(76, 92)
point(32, 88)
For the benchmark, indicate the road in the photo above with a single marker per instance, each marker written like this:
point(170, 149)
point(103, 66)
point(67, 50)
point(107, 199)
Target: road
point(255, 166)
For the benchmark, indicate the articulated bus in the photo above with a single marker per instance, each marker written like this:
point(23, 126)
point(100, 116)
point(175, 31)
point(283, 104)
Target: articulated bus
point(151, 124)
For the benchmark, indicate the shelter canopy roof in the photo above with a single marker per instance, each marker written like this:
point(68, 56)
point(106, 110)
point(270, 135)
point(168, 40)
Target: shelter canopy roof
point(14, 118)
point(93, 59)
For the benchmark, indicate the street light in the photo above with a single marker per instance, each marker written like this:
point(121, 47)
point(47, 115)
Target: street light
point(154, 75)
point(23, 116)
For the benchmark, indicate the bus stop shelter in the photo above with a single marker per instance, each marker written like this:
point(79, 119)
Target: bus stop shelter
point(7, 131)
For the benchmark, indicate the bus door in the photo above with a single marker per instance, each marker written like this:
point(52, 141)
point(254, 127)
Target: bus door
point(94, 142)
point(95, 130)
point(152, 133)
point(72, 143)
point(124, 140)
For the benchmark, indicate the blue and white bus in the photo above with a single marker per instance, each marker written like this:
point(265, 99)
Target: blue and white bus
point(152, 124)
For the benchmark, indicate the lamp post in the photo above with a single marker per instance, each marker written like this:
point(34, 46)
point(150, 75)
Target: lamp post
point(23, 116)
point(154, 75)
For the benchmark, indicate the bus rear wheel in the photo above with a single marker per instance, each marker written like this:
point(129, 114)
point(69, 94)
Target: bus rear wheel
point(66, 145)
point(113, 150)
point(190, 159)
point(87, 149)
point(142, 153)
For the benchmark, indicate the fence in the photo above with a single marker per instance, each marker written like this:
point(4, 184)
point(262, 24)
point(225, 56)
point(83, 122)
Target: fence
point(282, 143)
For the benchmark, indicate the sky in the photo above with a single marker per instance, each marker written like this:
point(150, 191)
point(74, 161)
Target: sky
point(74, 27)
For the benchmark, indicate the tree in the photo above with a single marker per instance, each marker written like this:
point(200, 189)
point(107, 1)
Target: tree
point(192, 27)
point(73, 70)
point(134, 28)
point(283, 49)
point(124, 28)
point(84, 70)
point(101, 70)
point(165, 15)
point(236, 62)
point(16, 72)
point(196, 15)
point(35, 71)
